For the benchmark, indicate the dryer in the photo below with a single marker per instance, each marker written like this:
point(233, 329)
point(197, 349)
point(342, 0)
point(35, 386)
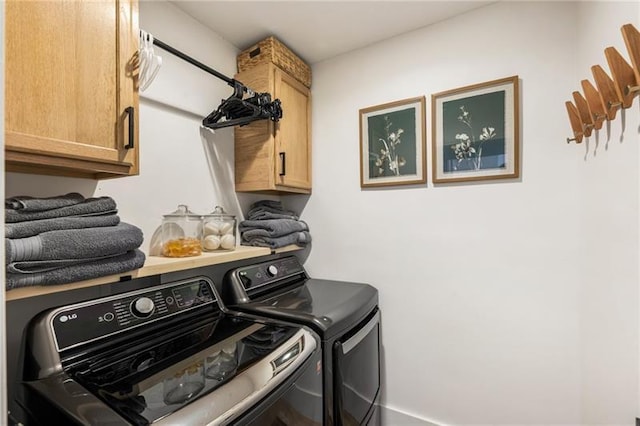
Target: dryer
point(344, 314)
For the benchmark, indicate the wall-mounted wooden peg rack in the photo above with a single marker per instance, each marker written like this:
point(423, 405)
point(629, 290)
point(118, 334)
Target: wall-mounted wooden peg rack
point(613, 92)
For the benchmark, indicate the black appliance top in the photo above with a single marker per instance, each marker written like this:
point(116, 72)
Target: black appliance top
point(282, 289)
point(149, 354)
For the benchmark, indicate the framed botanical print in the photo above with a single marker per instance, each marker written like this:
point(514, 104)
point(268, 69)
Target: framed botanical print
point(392, 144)
point(475, 132)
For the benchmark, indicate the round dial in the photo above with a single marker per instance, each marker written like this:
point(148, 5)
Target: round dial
point(272, 270)
point(142, 307)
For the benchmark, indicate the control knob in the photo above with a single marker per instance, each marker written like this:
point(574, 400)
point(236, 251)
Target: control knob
point(272, 270)
point(142, 307)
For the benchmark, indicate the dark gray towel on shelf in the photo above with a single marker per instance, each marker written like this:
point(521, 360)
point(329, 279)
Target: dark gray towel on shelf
point(266, 215)
point(33, 266)
point(35, 227)
point(109, 266)
point(271, 228)
point(90, 207)
point(259, 208)
point(26, 203)
point(298, 238)
point(74, 243)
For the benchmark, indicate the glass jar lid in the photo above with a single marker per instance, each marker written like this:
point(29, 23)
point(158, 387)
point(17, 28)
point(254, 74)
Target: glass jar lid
point(183, 211)
point(219, 213)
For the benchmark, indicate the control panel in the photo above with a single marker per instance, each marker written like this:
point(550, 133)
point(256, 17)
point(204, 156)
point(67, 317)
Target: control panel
point(85, 322)
point(263, 274)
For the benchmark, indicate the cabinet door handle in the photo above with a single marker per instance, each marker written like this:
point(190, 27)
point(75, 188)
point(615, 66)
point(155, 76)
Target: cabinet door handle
point(129, 111)
point(283, 160)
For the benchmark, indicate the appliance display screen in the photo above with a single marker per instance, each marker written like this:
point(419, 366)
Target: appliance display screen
point(186, 295)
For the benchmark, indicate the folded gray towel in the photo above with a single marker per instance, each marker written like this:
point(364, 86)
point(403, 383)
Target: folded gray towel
point(33, 266)
point(35, 227)
point(298, 238)
point(265, 215)
point(26, 203)
point(90, 207)
point(258, 208)
point(74, 243)
point(109, 266)
point(271, 228)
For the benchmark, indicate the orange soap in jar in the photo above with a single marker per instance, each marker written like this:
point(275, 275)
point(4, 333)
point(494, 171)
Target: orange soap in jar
point(181, 233)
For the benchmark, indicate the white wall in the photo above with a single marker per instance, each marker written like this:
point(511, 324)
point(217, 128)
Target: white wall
point(609, 289)
point(180, 163)
point(505, 302)
point(486, 290)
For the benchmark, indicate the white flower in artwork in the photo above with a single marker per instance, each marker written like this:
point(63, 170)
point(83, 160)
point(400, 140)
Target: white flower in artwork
point(388, 162)
point(468, 148)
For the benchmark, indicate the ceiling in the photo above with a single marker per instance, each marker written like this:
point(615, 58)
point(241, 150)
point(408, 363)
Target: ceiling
point(318, 30)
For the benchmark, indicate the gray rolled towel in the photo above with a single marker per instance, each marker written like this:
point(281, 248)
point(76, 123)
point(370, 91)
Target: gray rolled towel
point(129, 261)
point(298, 238)
point(74, 243)
point(26, 203)
point(90, 207)
point(271, 228)
point(35, 227)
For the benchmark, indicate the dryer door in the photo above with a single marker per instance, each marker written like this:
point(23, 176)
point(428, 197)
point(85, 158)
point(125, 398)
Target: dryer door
point(357, 372)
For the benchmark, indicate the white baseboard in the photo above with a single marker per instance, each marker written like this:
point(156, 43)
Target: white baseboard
point(391, 417)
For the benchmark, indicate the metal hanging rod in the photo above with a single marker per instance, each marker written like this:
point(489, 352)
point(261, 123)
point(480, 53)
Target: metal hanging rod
point(230, 81)
point(235, 110)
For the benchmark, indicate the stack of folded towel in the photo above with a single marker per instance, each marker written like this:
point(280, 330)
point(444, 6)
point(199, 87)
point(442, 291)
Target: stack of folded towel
point(268, 224)
point(67, 238)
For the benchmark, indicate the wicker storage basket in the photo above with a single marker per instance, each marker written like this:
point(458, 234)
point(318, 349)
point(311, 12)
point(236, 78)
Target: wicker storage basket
point(272, 50)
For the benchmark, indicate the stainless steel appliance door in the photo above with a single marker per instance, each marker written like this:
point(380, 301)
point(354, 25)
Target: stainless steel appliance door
point(357, 372)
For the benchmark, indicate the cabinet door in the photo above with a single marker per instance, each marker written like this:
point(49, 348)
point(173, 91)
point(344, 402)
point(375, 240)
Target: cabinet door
point(293, 133)
point(69, 80)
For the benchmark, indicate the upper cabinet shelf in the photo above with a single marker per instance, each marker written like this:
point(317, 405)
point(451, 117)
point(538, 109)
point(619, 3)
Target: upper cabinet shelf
point(71, 101)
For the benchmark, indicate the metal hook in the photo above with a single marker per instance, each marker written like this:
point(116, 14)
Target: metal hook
point(611, 105)
point(631, 89)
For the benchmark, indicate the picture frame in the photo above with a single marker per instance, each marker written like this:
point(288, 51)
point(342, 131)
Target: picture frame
point(476, 132)
point(393, 143)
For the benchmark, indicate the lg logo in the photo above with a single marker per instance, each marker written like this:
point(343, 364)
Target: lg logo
point(65, 318)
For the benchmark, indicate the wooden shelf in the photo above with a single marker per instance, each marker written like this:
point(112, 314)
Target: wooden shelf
point(154, 265)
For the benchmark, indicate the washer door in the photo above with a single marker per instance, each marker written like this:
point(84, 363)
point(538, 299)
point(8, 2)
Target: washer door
point(357, 372)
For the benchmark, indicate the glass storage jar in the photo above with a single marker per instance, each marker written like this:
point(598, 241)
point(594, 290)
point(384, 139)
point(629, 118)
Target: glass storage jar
point(218, 230)
point(181, 233)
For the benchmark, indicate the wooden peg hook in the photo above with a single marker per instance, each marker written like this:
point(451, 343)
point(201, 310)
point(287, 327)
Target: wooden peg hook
point(623, 76)
point(632, 40)
point(607, 91)
point(594, 101)
point(576, 124)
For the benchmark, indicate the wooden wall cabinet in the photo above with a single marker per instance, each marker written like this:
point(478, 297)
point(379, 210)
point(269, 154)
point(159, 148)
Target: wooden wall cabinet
point(71, 98)
point(275, 157)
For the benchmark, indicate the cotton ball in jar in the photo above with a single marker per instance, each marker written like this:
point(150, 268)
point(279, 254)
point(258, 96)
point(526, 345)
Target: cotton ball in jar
point(211, 228)
point(228, 241)
point(226, 228)
point(211, 242)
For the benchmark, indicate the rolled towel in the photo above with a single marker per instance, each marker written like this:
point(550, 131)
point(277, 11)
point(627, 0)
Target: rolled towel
point(74, 243)
point(298, 238)
point(26, 203)
point(90, 207)
point(35, 227)
point(129, 261)
point(271, 228)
